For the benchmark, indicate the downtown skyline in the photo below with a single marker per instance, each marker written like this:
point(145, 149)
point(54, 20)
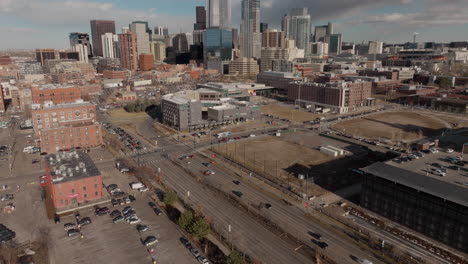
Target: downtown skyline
point(28, 24)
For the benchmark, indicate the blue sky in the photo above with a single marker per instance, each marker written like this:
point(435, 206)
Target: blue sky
point(46, 23)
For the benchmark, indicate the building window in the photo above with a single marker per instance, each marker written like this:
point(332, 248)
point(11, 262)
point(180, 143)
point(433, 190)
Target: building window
point(95, 185)
point(85, 196)
point(84, 188)
point(73, 190)
point(61, 201)
point(96, 193)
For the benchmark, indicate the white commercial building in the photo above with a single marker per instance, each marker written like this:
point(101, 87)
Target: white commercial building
point(142, 37)
point(218, 14)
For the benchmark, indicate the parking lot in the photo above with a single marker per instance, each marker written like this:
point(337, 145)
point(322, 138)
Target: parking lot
point(106, 242)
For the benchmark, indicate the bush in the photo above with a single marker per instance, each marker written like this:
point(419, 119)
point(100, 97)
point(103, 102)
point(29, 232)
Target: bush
point(186, 219)
point(170, 198)
point(200, 228)
point(234, 258)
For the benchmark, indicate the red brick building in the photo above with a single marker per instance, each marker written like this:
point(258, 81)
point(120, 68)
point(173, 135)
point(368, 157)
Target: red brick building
point(5, 60)
point(56, 94)
point(128, 52)
point(72, 179)
point(337, 96)
point(53, 116)
point(146, 62)
point(79, 134)
point(115, 74)
point(127, 96)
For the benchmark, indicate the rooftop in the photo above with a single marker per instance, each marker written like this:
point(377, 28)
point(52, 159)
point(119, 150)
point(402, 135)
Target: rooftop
point(71, 166)
point(418, 175)
point(78, 102)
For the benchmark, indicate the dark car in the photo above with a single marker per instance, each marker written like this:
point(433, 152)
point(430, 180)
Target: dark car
point(268, 205)
point(127, 209)
point(132, 198)
point(34, 161)
point(321, 244)
point(150, 240)
point(237, 193)
point(157, 211)
point(315, 235)
point(115, 213)
point(236, 182)
point(142, 228)
point(73, 232)
point(115, 202)
point(152, 205)
point(84, 221)
point(118, 219)
point(101, 211)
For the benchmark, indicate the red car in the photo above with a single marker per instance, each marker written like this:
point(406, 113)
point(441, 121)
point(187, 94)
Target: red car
point(42, 183)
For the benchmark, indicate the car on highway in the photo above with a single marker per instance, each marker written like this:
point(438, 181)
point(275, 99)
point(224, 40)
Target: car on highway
point(237, 193)
point(84, 221)
point(208, 172)
point(150, 240)
point(73, 232)
point(268, 205)
point(321, 244)
point(142, 228)
point(236, 182)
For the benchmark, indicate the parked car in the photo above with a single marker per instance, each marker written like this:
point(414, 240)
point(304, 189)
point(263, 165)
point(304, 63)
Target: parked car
point(118, 219)
point(127, 209)
point(84, 221)
point(143, 189)
point(132, 198)
point(68, 226)
point(34, 161)
point(73, 232)
point(134, 220)
point(115, 213)
point(6, 197)
point(157, 211)
point(202, 260)
point(115, 202)
point(150, 240)
point(195, 252)
point(142, 228)
point(152, 205)
point(126, 200)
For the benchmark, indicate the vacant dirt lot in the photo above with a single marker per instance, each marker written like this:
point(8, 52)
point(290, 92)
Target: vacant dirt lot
point(122, 116)
point(271, 156)
point(395, 126)
point(288, 113)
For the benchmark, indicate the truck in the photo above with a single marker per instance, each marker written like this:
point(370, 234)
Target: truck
point(136, 185)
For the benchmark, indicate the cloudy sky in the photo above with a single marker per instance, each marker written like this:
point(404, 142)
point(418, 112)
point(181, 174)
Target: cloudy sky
point(26, 24)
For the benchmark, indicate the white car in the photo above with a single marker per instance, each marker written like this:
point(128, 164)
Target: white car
point(449, 150)
point(143, 189)
point(203, 260)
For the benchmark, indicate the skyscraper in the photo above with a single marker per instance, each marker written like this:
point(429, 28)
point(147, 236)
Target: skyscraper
point(200, 18)
point(81, 38)
point(109, 43)
point(250, 36)
point(82, 51)
point(296, 24)
point(217, 43)
point(180, 43)
point(219, 14)
point(98, 28)
point(273, 38)
point(322, 31)
point(128, 52)
point(140, 29)
point(263, 27)
point(334, 42)
point(161, 31)
point(375, 47)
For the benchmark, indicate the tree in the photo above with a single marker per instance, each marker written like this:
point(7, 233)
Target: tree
point(170, 198)
point(199, 228)
point(234, 258)
point(130, 108)
point(186, 219)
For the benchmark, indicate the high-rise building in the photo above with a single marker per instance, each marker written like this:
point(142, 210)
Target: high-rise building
point(158, 49)
point(317, 49)
point(180, 43)
point(128, 51)
point(69, 55)
point(161, 31)
point(250, 36)
point(43, 55)
point(322, 31)
point(200, 18)
point(296, 24)
point(273, 39)
point(375, 47)
point(334, 42)
point(140, 29)
point(245, 67)
point(218, 14)
point(217, 43)
point(109, 45)
point(82, 52)
point(235, 38)
point(99, 28)
point(263, 27)
point(198, 37)
point(83, 39)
